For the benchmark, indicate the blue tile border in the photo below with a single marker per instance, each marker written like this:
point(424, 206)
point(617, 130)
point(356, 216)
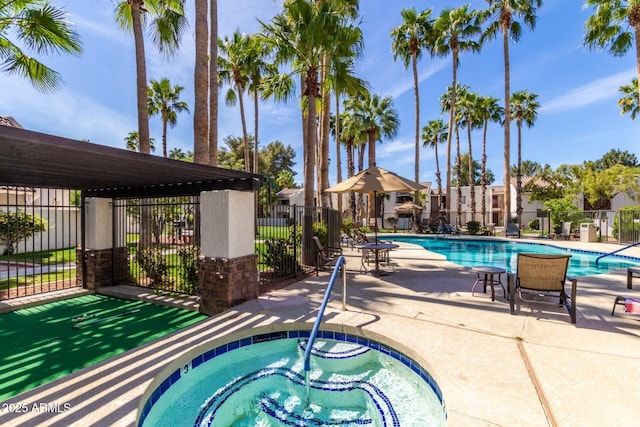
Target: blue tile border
point(292, 334)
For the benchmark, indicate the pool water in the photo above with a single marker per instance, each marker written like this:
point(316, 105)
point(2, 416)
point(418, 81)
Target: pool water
point(263, 384)
point(504, 254)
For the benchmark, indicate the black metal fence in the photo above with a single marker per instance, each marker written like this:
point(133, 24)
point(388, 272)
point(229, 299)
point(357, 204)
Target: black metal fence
point(39, 231)
point(622, 226)
point(161, 241)
point(283, 244)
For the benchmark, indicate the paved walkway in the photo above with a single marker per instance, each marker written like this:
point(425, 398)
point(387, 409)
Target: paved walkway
point(532, 369)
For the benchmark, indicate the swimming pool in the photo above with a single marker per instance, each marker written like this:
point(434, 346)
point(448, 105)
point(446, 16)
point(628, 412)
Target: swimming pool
point(504, 254)
point(259, 381)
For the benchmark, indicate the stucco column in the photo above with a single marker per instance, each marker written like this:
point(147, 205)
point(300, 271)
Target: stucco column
point(227, 270)
point(98, 249)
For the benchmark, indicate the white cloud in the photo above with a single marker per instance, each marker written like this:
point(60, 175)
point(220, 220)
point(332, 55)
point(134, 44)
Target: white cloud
point(588, 94)
point(66, 114)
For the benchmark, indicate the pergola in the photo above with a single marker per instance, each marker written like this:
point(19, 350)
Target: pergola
point(33, 159)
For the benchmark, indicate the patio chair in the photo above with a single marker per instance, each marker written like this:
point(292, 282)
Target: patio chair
point(326, 256)
point(448, 229)
point(631, 305)
point(368, 256)
point(542, 276)
point(513, 229)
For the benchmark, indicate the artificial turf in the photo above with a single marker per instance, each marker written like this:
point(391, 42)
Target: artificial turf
point(40, 344)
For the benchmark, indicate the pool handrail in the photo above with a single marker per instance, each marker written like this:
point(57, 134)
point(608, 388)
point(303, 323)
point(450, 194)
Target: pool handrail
point(617, 250)
point(341, 261)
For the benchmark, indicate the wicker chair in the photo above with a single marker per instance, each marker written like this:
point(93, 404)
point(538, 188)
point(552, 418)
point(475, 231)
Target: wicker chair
point(542, 275)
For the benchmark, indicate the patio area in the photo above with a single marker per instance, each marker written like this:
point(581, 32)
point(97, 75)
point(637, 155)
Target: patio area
point(532, 369)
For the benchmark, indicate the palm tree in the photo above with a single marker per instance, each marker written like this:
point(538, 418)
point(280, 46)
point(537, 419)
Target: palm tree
point(257, 68)
point(132, 142)
point(213, 77)
point(409, 40)
point(179, 154)
point(501, 14)
point(525, 110)
point(490, 111)
point(353, 139)
point(470, 119)
point(203, 82)
point(41, 28)
point(300, 35)
point(434, 133)
point(168, 23)
point(615, 25)
point(630, 102)
point(379, 120)
point(454, 32)
point(233, 69)
point(164, 99)
point(338, 76)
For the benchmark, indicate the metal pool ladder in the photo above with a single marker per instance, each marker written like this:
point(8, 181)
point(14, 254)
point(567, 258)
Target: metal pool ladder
point(340, 265)
point(617, 250)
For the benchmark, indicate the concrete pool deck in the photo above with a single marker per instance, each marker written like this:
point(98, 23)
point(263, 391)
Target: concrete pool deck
point(494, 369)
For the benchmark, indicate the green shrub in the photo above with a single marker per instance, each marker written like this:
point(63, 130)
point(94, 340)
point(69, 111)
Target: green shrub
point(320, 230)
point(278, 257)
point(473, 227)
point(17, 226)
point(189, 268)
point(534, 224)
point(154, 264)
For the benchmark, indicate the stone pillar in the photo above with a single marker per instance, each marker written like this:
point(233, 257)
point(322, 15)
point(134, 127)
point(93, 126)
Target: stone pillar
point(228, 267)
point(99, 241)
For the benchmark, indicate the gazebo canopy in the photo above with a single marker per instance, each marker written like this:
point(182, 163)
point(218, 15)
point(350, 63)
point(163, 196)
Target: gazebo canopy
point(35, 159)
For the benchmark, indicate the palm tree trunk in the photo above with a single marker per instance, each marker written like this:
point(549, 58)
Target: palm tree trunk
point(372, 162)
point(255, 130)
point(416, 194)
point(323, 162)
point(311, 83)
point(141, 79)
point(483, 176)
point(144, 142)
point(164, 138)
point(360, 212)
point(507, 128)
point(472, 187)
point(452, 111)
point(519, 174)
point(458, 181)
point(245, 136)
point(338, 150)
point(438, 178)
point(213, 88)
point(201, 86)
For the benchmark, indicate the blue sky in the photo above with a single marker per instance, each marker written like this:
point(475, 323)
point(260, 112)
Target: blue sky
point(578, 118)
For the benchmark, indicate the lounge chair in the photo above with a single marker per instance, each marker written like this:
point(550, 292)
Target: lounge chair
point(326, 256)
point(566, 231)
point(513, 229)
point(542, 275)
point(631, 305)
point(448, 229)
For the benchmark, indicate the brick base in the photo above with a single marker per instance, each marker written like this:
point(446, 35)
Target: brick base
point(99, 266)
point(223, 283)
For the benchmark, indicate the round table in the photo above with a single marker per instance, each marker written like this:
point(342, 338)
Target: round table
point(486, 274)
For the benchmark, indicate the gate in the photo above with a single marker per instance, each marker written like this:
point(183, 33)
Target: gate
point(161, 240)
point(39, 231)
point(279, 240)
